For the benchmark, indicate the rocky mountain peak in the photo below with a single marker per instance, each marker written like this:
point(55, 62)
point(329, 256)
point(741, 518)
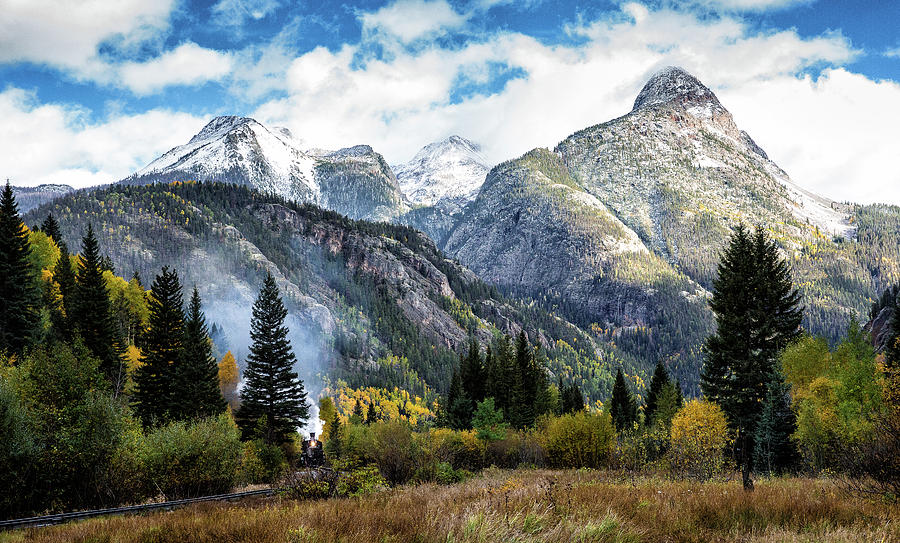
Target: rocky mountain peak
point(674, 85)
point(221, 125)
point(447, 173)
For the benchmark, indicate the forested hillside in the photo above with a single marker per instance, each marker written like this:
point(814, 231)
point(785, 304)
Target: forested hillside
point(371, 304)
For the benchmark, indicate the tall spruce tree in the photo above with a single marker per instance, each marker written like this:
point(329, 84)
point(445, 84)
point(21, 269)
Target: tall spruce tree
point(571, 399)
point(19, 293)
point(51, 227)
point(271, 387)
point(775, 451)
point(156, 396)
point(92, 314)
point(622, 406)
point(472, 373)
point(196, 388)
point(659, 380)
point(757, 315)
point(892, 347)
point(64, 276)
point(458, 409)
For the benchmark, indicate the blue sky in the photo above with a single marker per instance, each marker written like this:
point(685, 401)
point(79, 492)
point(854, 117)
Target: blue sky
point(94, 90)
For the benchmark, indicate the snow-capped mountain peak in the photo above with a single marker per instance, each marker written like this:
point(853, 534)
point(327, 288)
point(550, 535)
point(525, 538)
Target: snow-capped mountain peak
point(674, 85)
point(446, 173)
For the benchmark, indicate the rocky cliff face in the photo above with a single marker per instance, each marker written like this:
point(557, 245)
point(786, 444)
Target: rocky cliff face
point(355, 181)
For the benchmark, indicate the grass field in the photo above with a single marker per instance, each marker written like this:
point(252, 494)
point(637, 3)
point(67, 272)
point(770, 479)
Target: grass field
point(523, 505)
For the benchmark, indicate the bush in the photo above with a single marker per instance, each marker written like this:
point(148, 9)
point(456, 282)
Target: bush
point(261, 462)
point(193, 459)
point(698, 440)
point(361, 481)
point(578, 440)
point(396, 452)
point(460, 449)
point(18, 452)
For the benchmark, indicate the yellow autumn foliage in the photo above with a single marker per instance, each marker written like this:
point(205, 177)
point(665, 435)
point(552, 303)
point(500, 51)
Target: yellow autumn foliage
point(698, 439)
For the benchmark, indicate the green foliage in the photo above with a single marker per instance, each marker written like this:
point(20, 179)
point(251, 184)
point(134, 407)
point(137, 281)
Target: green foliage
point(775, 450)
point(261, 462)
point(361, 481)
point(272, 389)
point(488, 421)
point(19, 295)
point(580, 440)
point(92, 316)
point(19, 451)
point(197, 458)
point(758, 314)
point(157, 397)
point(622, 406)
point(197, 375)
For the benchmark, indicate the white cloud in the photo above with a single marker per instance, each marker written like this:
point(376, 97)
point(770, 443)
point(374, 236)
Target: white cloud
point(235, 12)
point(66, 34)
point(895, 52)
point(409, 20)
point(49, 143)
point(746, 5)
point(187, 64)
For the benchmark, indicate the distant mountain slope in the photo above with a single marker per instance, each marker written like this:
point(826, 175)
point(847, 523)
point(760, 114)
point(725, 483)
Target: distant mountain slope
point(439, 182)
point(623, 223)
point(373, 304)
point(29, 198)
point(356, 182)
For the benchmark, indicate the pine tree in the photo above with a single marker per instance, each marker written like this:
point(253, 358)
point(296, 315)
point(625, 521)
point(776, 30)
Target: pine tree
point(64, 276)
point(92, 315)
point(775, 451)
point(659, 380)
point(525, 385)
point(156, 396)
point(458, 409)
point(272, 389)
point(19, 293)
point(51, 228)
point(196, 384)
point(757, 315)
point(892, 347)
point(472, 373)
point(622, 406)
point(357, 416)
point(371, 416)
point(334, 447)
point(571, 398)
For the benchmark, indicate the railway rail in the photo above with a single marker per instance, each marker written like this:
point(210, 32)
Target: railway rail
point(49, 520)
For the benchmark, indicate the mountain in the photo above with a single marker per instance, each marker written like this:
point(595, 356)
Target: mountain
point(621, 225)
point(356, 181)
point(29, 198)
point(439, 182)
point(371, 304)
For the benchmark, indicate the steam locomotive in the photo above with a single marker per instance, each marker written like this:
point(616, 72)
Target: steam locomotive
point(312, 454)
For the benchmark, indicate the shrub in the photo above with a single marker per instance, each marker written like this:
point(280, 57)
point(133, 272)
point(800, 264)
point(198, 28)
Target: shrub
point(18, 451)
point(395, 452)
point(578, 440)
point(261, 462)
point(698, 440)
point(361, 481)
point(460, 449)
point(193, 459)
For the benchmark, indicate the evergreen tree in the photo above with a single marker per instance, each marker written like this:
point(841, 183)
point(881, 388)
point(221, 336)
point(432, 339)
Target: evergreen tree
point(659, 380)
point(757, 315)
point(371, 416)
point(357, 416)
point(775, 451)
point(92, 315)
point(472, 373)
point(156, 396)
point(19, 293)
point(64, 276)
point(196, 385)
point(571, 399)
point(892, 347)
point(458, 409)
point(334, 447)
point(525, 385)
point(272, 388)
point(51, 228)
point(622, 406)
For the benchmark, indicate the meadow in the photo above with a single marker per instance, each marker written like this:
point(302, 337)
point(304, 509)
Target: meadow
point(521, 505)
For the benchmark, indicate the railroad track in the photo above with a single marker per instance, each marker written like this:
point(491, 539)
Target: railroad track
point(49, 520)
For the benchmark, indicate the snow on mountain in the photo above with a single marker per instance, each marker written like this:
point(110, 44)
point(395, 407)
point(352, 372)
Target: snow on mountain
point(446, 174)
point(270, 160)
point(355, 181)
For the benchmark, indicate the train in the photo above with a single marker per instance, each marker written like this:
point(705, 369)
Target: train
point(312, 453)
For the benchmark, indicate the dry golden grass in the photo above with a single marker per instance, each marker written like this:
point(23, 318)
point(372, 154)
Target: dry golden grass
point(520, 506)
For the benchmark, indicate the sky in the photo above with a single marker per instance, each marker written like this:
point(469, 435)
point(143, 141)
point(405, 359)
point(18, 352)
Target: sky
point(92, 90)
